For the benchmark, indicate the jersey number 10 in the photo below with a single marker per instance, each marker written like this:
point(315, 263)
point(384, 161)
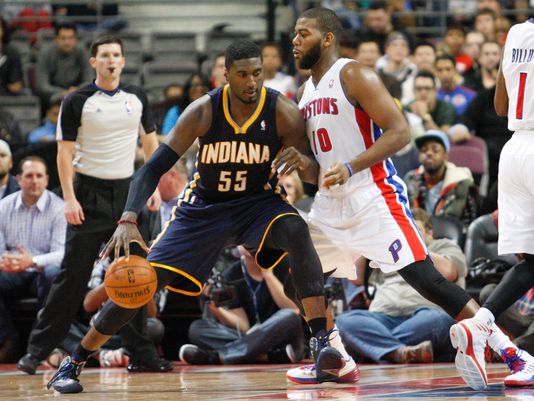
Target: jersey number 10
point(324, 140)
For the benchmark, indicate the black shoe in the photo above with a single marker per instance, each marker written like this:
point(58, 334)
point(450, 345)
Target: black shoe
point(151, 365)
point(328, 360)
point(194, 355)
point(28, 363)
point(66, 380)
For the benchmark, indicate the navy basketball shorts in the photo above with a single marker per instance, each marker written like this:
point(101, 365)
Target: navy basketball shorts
point(193, 238)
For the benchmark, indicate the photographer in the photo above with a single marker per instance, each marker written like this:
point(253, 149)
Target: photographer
point(252, 318)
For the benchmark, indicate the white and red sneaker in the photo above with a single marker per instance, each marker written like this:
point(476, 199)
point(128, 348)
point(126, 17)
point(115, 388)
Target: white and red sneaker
point(307, 374)
point(469, 337)
point(521, 364)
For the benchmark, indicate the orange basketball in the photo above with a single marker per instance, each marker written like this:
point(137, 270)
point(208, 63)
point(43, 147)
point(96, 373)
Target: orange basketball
point(131, 282)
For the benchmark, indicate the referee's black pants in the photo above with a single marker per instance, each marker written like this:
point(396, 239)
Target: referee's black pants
point(103, 203)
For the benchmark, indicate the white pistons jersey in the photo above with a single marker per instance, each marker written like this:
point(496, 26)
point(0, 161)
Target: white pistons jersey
point(338, 131)
point(518, 71)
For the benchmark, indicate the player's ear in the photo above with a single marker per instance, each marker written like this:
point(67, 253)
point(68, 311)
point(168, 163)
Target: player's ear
point(329, 39)
point(92, 61)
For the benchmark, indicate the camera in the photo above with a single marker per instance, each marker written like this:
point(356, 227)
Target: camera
point(222, 292)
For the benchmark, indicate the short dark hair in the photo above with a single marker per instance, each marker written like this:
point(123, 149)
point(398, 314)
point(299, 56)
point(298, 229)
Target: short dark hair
point(239, 50)
point(486, 11)
point(31, 158)
point(424, 43)
point(6, 31)
point(65, 25)
point(378, 5)
point(446, 56)
point(423, 216)
point(426, 74)
point(327, 19)
point(104, 40)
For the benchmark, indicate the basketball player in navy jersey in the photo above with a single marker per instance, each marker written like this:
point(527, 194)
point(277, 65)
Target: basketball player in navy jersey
point(514, 98)
point(232, 200)
point(361, 209)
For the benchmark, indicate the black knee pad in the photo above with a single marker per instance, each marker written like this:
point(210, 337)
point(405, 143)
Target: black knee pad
point(112, 317)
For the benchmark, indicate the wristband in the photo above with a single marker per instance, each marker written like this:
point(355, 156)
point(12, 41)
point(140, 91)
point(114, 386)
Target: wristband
point(349, 167)
point(127, 222)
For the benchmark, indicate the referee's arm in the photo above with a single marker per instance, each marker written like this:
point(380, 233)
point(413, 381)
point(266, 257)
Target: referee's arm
point(149, 143)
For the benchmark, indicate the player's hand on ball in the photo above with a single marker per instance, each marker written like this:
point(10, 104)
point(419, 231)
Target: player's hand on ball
point(337, 174)
point(289, 160)
point(121, 238)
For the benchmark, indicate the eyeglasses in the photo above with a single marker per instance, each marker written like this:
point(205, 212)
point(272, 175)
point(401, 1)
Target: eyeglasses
point(423, 88)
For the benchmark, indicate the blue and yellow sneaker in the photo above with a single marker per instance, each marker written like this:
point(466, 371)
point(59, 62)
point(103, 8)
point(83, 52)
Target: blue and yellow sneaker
point(330, 366)
point(65, 380)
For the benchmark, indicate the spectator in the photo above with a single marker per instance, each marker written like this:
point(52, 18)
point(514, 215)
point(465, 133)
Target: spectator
point(436, 114)
point(485, 76)
point(480, 119)
point(273, 77)
point(368, 53)
point(407, 328)
point(424, 58)
point(62, 67)
point(196, 86)
point(396, 59)
point(47, 131)
point(8, 183)
point(10, 130)
point(32, 242)
point(473, 41)
point(454, 40)
point(217, 77)
point(450, 91)
point(502, 26)
point(485, 23)
point(437, 185)
point(11, 71)
point(293, 188)
point(378, 24)
point(259, 318)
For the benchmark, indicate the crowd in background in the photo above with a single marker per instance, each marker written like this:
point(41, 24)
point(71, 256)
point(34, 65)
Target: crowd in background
point(445, 87)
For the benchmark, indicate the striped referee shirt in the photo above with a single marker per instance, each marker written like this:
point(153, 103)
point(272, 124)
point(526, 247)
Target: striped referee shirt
point(40, 228)
point(105, 126)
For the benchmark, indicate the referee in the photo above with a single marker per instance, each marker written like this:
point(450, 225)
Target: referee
point(98, 129)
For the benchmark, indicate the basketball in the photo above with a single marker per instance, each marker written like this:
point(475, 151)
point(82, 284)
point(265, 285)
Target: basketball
point(131, 282)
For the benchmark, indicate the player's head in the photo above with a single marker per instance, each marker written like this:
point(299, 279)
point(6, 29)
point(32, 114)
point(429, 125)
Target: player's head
point(316, 32)
point(107, 56)
point(244, 70)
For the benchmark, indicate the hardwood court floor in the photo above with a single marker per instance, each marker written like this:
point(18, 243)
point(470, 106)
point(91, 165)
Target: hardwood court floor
point(262, 382)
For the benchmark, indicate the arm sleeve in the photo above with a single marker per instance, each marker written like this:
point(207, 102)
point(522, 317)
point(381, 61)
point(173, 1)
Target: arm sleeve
point(145, 180)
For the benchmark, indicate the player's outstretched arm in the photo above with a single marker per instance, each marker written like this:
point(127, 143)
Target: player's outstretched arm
point(365, 89)
point(297, 153)
point(193, 123)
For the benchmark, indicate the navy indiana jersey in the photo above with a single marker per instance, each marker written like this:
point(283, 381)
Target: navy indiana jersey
point(234, 161)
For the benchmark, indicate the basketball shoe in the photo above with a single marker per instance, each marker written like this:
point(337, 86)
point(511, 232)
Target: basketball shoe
point(521, 365)
point(330, 366)
point(469, 337)
point(65, 380)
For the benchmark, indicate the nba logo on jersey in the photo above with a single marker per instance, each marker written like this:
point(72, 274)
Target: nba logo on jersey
point(331, 84)
point(129, 107)
point(263, 125)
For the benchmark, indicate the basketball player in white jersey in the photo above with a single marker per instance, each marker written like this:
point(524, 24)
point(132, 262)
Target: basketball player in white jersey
point(361, 209)
point(514, 97)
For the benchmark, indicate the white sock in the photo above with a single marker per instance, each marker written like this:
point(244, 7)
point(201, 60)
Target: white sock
point(335, 341)
point(498, 340)
point(485, 316)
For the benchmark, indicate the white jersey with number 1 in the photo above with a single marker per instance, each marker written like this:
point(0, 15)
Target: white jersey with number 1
point(518, 71)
